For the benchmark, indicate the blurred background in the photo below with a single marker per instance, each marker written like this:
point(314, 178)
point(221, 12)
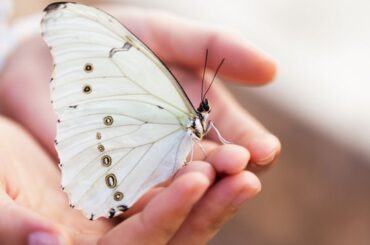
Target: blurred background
point(319, 106)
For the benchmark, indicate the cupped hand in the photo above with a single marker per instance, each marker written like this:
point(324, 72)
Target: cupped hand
point(188, 209)
point(24, 87)
point(192, 207)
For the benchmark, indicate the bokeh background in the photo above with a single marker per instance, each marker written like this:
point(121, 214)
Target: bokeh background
point(319, 106)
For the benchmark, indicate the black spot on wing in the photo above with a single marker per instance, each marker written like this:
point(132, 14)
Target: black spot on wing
point(122, 208)
point(112, 212)
point(56, 5)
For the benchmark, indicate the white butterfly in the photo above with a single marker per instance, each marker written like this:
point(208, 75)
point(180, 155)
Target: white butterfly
point(125, 124)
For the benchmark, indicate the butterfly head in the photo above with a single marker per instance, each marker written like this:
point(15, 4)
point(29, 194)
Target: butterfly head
point(204, 107)
point(203, 112)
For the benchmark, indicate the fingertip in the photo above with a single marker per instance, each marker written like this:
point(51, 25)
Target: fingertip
point(41, 237)
point(264, 150)
point(246, 181)
point(260, 71)
point(241, 152)
point(229, 159)
point(248, 185)
point(247, 64)
point(190, 187)
point(22, 225)
point(267, 69)
point(252, 183)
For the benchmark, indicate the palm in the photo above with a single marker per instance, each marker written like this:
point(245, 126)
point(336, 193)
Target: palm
point(38, 189)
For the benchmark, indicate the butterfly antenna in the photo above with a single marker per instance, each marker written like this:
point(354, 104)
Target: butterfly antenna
point(204, 73)
point(213, 79)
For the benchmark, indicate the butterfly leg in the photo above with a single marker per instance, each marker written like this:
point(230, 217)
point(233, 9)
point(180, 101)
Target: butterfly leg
point(220, 138)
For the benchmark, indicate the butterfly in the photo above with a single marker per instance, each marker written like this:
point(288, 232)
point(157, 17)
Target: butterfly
point(124, 122)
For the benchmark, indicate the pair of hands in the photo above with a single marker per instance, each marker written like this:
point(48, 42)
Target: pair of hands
point(190, 208)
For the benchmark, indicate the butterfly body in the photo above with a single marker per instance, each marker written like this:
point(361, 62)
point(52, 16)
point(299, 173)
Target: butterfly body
point(124, 122)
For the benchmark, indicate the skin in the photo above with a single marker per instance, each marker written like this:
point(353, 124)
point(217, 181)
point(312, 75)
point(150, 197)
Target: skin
point(188, 209)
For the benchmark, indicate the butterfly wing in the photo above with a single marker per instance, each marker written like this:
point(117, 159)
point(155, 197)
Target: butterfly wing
point(122, 116)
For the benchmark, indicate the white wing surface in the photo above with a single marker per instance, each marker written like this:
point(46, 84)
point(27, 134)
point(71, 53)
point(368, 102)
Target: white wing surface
point(122, 115)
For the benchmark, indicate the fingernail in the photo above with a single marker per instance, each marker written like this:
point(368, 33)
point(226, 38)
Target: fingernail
point(240, 199)
point(44, 238)
point(244, 195)
point(264, 150)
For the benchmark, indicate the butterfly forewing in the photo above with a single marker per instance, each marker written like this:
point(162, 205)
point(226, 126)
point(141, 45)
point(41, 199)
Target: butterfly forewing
point(122, 116)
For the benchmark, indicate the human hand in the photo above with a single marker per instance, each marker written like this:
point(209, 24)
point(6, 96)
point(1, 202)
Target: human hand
point(24, 94)
point(33, 208)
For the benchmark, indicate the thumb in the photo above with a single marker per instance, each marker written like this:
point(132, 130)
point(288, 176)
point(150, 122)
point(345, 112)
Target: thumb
point(21, 226)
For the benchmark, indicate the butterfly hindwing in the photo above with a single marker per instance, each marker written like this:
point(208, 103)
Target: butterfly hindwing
point(122, 116)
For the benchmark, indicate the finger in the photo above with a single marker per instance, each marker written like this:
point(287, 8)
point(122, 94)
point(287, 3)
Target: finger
point(228, 159)
point(203, 148)
point(199, 152)
point(203, 168)
point(143, 202)
point(21, 226)
point(163, 215)
point(193, 167)
point(184, 42)
point(241, 128)
point(216, 207)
